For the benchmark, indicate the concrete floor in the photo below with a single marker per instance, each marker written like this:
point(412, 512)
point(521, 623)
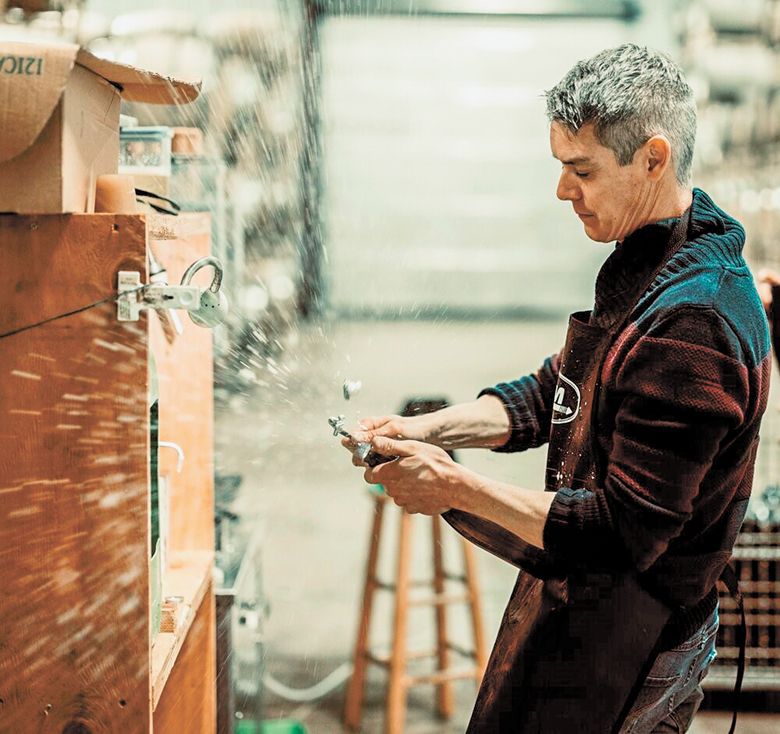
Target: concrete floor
point(315, 511)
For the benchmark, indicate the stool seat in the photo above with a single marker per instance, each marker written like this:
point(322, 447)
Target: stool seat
point(438, 598)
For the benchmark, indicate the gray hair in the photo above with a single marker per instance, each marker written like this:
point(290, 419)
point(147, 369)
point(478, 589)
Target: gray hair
point(629, 93)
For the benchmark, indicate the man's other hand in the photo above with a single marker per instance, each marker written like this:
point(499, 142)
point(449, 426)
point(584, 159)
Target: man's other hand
point(387, 426)
point(423, 479)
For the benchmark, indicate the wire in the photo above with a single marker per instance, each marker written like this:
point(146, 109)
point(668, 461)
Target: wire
point(70, 313)
point(304, 695)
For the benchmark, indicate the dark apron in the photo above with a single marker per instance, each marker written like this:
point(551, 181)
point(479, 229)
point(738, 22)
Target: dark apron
point(574, 646)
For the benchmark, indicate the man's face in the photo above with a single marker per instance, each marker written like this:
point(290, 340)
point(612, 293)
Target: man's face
point(610, 200)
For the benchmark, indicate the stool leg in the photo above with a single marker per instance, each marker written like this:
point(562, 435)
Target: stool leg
point(475, 604)
point(444, 701)
point(354, 700)
point(396, 694)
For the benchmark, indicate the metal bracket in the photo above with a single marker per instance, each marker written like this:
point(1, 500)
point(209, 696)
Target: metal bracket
point(132, 296)
point(362, 448)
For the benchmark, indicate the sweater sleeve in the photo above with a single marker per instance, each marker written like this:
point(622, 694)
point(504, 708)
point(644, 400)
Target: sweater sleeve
point(683, 388)
point(528, 403)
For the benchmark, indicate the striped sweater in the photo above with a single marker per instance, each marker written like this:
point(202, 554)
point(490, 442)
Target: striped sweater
point(684, 386)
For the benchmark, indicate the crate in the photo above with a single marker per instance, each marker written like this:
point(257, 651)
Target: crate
point(756, 560)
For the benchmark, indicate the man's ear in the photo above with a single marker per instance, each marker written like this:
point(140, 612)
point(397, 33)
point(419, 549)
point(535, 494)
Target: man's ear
point(657, 156)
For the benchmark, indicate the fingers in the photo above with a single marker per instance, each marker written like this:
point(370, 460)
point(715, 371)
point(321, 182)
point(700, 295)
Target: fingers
point(375, 423)
point(415, 508)
point(765, 294)
point(380, 473)
point(423, 509)
point(393, 447)
point(765, 275)
point(766, 280)
point(388, 425)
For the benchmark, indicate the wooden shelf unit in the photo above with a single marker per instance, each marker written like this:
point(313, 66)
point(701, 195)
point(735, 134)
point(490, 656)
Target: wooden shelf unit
point(76, 652)
point(189, 576)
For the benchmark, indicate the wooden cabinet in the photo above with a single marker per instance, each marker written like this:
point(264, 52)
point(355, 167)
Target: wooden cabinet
point(75, 638)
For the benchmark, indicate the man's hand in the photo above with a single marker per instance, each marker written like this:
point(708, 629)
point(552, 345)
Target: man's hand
point(393, 426)
point(388, 426)
point(481, 423)
point(422, 479)
point(425, 479)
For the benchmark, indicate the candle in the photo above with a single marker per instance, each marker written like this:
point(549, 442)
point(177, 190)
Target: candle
point(115, 194)
point(187, 141)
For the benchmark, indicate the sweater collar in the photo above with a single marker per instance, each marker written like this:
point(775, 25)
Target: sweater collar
point(713, 236)
point(706, 219)
point(627, 269)
point(651, 235)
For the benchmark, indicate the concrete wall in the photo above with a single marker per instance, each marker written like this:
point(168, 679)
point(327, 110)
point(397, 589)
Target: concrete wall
point(439, 185)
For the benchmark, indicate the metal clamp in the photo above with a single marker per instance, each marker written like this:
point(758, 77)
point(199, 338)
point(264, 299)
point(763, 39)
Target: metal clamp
point(132, 297)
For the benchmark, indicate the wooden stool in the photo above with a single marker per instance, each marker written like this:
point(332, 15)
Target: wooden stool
point(399, 682)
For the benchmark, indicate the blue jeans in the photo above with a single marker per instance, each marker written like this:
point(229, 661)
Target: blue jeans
point(672, 693)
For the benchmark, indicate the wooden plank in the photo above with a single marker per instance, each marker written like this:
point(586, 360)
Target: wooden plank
point(185, 375)
point(74, 540)
point(722, 678)
point(439, 600)
point(226, 698)
point(188, 702)
point(189, 575)
point(443, 676)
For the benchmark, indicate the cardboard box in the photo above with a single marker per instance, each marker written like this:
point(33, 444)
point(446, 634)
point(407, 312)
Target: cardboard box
point(59, 122)
point(30, 6)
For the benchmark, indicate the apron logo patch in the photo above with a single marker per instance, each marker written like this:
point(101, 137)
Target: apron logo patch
point(566, 404)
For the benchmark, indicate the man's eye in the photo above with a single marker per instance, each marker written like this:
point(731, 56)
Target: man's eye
point(581, 174)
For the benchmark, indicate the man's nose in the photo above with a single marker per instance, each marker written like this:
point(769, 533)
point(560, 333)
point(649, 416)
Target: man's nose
point(567, 189)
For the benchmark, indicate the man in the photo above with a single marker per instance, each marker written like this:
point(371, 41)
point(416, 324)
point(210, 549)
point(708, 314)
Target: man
point(651, 411)
point(769, 291)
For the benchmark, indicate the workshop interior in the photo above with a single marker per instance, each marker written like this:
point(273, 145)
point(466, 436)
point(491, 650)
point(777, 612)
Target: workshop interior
point(232, 230)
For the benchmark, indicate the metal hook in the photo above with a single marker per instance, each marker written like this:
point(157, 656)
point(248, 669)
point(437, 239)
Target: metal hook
point(215, 263)
point(179, 451)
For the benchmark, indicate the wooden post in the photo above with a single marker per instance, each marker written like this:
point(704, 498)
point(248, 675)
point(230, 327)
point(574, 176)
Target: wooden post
point(354, 701)
point(475, 605)
point(444, 702)
point(396, 694)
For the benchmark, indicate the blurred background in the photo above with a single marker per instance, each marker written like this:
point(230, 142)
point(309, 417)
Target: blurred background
point(383, 196)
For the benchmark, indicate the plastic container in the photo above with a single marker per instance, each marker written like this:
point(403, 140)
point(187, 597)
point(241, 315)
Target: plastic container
point(145, 150)
point(283, 726)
